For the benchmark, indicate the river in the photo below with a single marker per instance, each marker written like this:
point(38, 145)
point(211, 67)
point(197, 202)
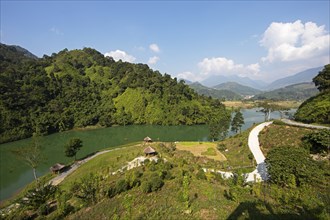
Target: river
point(15, 174)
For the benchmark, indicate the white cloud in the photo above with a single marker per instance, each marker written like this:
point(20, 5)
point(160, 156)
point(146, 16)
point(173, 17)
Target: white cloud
point(224, 66)
point(253, 69)
point(153, 60)
point(291, 48)
point(120, 55)
point(287, 42)
point(190, 76)
point(154, 48)
point(220, 66)
point(56, 31)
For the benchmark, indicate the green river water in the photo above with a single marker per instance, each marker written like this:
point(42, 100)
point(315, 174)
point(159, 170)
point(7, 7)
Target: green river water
point(15, 174)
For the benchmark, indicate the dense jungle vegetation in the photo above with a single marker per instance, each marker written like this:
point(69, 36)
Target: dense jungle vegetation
point(81, 88)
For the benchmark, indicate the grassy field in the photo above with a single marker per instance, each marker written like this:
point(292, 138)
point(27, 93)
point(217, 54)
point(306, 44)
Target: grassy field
point(239, 104)
point(201, 149)
point(254, 104)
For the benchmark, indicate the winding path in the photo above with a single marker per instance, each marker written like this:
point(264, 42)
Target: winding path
point(58, 179)
point(260, 173)
point(290, 122)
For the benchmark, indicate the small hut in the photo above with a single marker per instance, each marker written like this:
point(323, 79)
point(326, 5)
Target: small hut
point(149, 151)
point(147, 139)
point(57, 168)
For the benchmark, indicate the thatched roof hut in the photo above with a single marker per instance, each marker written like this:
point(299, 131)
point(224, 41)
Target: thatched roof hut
point(147, 139)
point(57, 167)
point(149, 151)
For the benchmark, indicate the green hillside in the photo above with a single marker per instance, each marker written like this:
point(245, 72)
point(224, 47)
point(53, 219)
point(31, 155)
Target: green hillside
point(237, 88)
point(215, 93)
point(80, 88)
point(299, 92)
point(317, 108)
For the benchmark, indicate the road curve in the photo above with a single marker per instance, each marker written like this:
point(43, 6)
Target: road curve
point(260, 173)
point(290, 122)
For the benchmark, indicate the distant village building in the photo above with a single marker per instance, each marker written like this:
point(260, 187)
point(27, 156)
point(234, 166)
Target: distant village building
point(147, 139)
point(57, 168)
point(149, 151)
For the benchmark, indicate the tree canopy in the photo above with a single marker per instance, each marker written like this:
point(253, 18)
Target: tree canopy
point(317, 108)
point(72, 147)
point(237, 122)
point(322, 80)
point(291, 166)
point(80, 88)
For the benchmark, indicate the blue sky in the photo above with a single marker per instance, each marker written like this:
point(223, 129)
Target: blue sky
point(186, 39)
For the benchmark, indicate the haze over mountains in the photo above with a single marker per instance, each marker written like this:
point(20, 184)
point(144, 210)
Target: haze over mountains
point(300, 77)
point(295, 87)
point(304, 76)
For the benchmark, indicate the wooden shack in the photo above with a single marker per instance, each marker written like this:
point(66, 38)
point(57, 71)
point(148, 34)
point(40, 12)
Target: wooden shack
point(149, 151)
point(147, 139)
point(57, 168)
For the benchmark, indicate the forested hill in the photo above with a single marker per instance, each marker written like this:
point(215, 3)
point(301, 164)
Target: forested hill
point(317, 108)
point(300, 91)
point(79, 88)
point(215, 93)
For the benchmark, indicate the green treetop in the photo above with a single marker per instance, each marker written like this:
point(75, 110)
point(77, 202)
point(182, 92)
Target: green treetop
point(237, 122)
point(72, 147)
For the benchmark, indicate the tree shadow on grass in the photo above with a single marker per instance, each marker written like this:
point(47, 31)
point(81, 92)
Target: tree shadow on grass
point(250, 210)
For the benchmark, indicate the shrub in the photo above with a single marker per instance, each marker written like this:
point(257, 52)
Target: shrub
point(133, 178)
point(121, 186)
point(156, 183)
point(63, 207)
point(43, 209)
point(283, 162)
point(221, 147)
point(201, 175)
point(36, 197)
point(317, 142)
point(146, 187)
point(152, 184)
point(209, 152)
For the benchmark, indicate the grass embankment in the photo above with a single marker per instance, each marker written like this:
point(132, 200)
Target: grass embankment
point(237, 152)
point(106, 163)
point(276, 135)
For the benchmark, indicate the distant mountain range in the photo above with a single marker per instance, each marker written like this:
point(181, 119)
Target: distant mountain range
point(214, 93)
point(237, 88)
point(304, 76)
point(300, 91)
point(216, 80)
